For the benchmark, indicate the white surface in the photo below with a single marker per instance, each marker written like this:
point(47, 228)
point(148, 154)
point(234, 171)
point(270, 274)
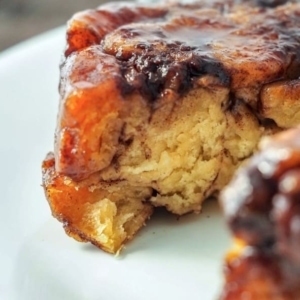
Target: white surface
point(170, 258)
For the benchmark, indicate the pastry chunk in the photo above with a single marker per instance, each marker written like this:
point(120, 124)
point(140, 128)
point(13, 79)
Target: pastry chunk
point(159, 104)
point(262, 206)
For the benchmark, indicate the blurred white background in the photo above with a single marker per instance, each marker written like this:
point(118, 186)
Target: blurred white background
point(21, 19)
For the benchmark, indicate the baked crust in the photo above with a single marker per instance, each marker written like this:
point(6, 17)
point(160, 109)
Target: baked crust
point(171, 98)
point(103, 213)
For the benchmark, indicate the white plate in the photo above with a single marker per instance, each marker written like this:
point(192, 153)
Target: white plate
point(169, 259)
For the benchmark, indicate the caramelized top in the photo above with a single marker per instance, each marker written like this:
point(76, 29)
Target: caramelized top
point(121, 49)
point(243, 44)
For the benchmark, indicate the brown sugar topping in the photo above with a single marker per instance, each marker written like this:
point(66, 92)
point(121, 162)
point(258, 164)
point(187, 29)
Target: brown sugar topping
point(164, 47)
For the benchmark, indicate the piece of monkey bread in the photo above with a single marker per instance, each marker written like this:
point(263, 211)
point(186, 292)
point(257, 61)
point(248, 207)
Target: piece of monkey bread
point(159, 104)
point(262, 206)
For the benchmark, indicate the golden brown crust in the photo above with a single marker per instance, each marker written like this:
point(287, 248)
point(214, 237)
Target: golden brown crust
point(88, 124)
point(96, 212)
point(280, 102)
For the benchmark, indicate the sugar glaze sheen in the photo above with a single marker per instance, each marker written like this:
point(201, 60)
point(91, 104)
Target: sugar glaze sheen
point(158, 48)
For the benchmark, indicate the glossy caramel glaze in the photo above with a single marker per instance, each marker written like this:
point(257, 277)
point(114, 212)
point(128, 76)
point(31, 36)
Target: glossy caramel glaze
point(124, 49)
point(262, 206)
point(165, 47)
